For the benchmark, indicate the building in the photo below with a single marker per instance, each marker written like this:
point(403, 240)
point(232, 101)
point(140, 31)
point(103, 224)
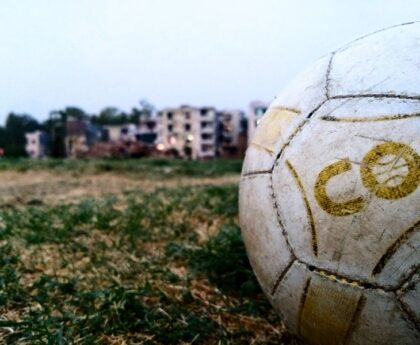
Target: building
point(81, 135)
point(126, 132)
point(256, 111)
point(113, 132)
point(36, 144)
point(188, 132)
point(229, 129)
point(147, 130)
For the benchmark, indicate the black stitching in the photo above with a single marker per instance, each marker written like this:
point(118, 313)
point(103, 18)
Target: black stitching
point(376, 95)
point(409, 315)
point(282, 275)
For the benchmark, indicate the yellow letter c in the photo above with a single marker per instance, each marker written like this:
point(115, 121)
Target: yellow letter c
point(344, 208)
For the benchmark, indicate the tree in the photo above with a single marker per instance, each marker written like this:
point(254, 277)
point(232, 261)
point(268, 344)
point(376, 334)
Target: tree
point(114, 116)
point(72, 113)
point(17, 125)
point(144, 112)
point(110, 116)
point(57, 128)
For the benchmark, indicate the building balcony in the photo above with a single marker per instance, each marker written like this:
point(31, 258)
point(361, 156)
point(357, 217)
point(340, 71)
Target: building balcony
point(209, 141)
point(208, 129)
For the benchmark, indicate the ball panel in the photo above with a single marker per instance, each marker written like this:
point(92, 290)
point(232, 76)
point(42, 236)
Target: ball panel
point(382, 321)
point(352, 242)
point(267, 249)
point(372, 65)
point(410, 296)
point(329, 311)
point(367, 109)
point(274, 129)
point(400, 257)
point(308, 90)
point(292, 195)
point(257, 160)
point(290, 293)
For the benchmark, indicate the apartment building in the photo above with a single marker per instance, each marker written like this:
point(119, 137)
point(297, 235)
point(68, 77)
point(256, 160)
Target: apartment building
point(229, 130)
point(187, 131)
point(256, 111)
point(147, 130)
point(126, 132)
point(36, 144)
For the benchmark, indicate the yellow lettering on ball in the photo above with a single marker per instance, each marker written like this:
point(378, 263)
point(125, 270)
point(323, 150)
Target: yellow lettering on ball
point(391, 170)
point(335, 208)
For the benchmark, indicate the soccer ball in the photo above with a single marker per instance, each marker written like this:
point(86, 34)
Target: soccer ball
point(330, 197)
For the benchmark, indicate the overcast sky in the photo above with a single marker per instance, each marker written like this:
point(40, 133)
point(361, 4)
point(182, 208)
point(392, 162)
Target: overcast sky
point(224, 53)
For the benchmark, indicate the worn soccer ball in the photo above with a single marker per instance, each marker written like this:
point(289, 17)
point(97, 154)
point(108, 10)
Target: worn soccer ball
point(330, 197)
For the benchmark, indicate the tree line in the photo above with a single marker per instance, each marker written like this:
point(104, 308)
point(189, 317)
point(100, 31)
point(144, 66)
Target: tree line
point(12, 134)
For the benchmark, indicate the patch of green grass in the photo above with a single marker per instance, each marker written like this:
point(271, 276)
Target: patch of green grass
point(150, 167)
point(132, 268)
point(224, 261)
point(158, 215)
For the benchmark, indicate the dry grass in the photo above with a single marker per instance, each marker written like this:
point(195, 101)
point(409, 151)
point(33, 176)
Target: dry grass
point(111, 258)
point(52, 187)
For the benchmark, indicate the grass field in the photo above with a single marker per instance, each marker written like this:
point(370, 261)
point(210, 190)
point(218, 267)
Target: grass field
point(127, 252)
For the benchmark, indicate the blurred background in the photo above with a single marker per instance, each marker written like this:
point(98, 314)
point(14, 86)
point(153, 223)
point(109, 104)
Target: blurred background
point(82, 79)
point(123, 125)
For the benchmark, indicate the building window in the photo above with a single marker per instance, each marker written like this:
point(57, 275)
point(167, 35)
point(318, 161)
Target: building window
point(260, 110)
point(206, 136)
point(205, 124)
point(206, 148)
point(187, 115)
point(170, 128)
point(203, 111)
point(187, 127)
point(151, 125)
point(169, 115)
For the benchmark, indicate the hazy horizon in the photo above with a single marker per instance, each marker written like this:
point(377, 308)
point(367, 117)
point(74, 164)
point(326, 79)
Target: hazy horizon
point(213, 53)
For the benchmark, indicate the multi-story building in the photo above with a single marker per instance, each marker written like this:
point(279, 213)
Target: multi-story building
point(256, 111)
point(229, 129)
point(188, 132)
point(36, 144)
point(126, 132)
point(147, 130)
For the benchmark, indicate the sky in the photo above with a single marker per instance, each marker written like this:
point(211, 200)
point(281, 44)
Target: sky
point(223, 53)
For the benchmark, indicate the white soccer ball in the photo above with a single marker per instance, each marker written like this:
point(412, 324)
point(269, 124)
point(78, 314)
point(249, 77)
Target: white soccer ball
point(330, 197)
